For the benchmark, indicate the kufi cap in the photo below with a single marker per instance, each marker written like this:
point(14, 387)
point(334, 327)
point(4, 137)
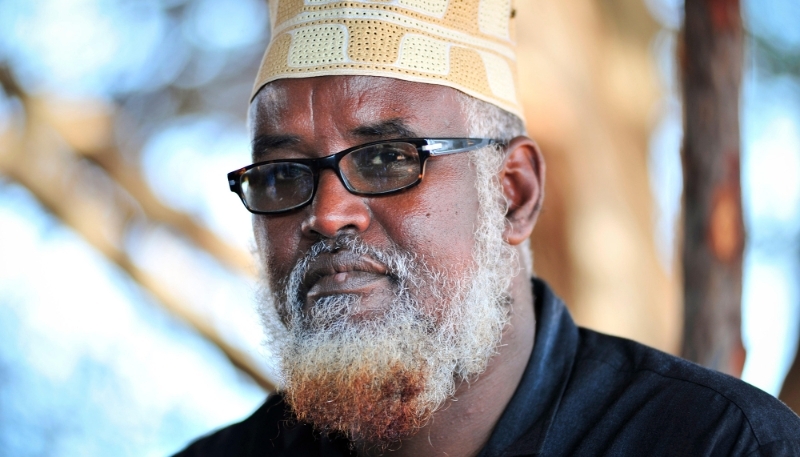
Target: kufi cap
point(464, 44)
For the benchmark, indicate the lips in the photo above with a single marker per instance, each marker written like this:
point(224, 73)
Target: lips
point(343, 272)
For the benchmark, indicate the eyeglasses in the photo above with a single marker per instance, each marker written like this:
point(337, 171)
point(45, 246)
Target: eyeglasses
point(376, 168)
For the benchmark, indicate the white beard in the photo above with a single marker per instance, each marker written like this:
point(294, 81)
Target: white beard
point(378, 380)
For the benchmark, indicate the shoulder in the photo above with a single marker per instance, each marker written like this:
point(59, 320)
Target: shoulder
point(688, 407)
point(270, 431)
point(243, 438)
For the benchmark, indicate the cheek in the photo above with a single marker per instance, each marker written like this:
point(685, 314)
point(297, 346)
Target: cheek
point(277, 243)
point(436, 220)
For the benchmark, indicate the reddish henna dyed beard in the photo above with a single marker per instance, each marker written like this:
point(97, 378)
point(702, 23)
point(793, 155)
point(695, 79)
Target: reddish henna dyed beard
point(368, 410)
point(365, 377)
point(379, 379)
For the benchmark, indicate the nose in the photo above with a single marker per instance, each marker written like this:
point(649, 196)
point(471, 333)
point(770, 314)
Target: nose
point(335, 210)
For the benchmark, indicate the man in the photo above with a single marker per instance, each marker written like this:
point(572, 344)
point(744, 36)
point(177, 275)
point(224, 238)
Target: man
point(394, 191)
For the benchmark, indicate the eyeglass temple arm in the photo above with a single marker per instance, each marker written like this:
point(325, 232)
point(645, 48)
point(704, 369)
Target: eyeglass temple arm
point(454, 146)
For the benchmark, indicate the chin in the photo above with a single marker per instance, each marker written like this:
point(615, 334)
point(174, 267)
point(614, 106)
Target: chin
point(369, 408)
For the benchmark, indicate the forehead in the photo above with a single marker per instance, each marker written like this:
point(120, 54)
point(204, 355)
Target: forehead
point(335, 105)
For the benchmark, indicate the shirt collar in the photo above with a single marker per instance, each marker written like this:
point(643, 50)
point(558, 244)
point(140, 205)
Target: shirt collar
point(524, 424)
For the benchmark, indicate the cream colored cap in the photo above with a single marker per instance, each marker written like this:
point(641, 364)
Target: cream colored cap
point(464, 44)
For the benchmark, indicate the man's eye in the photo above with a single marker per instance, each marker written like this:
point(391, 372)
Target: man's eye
point(287, 172)
point(388, 156)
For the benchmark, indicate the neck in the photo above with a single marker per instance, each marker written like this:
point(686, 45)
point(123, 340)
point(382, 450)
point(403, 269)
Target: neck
point(463, 426)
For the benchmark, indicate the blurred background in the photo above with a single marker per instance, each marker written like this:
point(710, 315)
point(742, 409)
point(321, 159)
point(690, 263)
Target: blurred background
point(127, 317)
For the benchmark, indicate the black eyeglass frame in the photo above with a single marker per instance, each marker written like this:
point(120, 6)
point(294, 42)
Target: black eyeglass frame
point(426, 148)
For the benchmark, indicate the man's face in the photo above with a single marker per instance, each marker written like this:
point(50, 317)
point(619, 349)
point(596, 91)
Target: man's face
point(315, 117)
point(384, 298)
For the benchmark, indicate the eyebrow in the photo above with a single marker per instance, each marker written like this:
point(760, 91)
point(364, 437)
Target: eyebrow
point(390, 128)
point(396, 128)
point(262, 144)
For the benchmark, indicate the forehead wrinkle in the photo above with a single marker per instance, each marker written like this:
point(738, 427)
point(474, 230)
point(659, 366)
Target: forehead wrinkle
point(394, 97)
point(373, 102)
point(326, 128)
point(267, 111)
point(351, 109)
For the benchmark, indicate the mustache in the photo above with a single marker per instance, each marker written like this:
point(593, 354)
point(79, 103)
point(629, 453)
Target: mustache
point(347, 252)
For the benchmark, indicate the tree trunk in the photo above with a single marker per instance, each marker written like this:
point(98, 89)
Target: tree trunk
point(714, 235)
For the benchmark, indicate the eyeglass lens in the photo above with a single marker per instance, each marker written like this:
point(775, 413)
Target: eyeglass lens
point(374, 169)
point(277, 186)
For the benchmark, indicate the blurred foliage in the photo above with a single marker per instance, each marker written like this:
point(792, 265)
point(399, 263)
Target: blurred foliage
point(775, 60)
point(162, 85)
point(151, 60)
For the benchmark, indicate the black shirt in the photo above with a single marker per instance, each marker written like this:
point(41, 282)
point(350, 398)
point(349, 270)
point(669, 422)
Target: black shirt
point(583, 393)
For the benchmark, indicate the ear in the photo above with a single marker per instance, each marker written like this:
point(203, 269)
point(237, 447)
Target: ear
point(522, 178)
